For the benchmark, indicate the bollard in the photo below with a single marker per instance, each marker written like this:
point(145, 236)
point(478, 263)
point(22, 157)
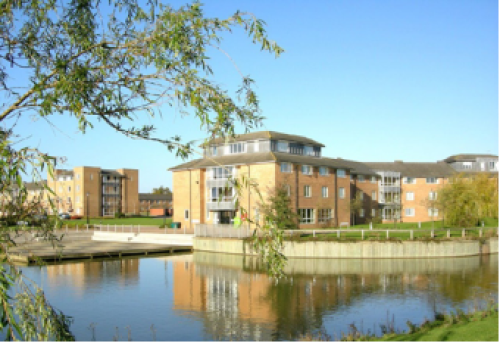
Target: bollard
point(363, 233)
point(338, 233)
point(480, 232)
point(482, 223)
point(419, 225)
point(432, 233)
point(314, 233)
point(448, 233)
point(411, 235)
point(463, 233)
point(371, 226)
point(387, 234)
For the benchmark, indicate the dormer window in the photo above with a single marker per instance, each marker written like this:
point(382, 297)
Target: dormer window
point(237, 148)
point(308, 151)
point(213, 150)
point(282, 146)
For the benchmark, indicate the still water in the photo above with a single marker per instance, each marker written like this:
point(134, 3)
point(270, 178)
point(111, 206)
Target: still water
point(206, 296)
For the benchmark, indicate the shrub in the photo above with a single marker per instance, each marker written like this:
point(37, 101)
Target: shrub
point(119, 215)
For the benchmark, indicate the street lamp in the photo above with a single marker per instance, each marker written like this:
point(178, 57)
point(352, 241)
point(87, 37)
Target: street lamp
point(88, 208)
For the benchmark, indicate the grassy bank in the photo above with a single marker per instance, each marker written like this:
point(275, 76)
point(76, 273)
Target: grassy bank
point(478, 326)
point(481, 326)
point(437, 224)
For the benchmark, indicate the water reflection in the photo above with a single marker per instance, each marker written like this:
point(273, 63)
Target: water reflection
point(207, 296)
point(236, 300)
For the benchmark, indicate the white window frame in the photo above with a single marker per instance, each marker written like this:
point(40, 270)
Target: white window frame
point(361, 178)
point(285, 167)
point(324, 215)
point(341, 173)
point(78, 176)
point(341, 193)
point(373, 179)
point(288, 188)
point(325, 171)
point(412, 179)
point(306, 169)
point(374, 195)
point(467, 165)
point(374, 212)
point(213, 150)
point(306, 216)
point(361, 212)
point(410, 196)
point(361, 196)
point(307, 191)
point(324, 192)
point(433, 210)
point(430, 179)
point(432, 195)
point(409, 212)
point(237, 148)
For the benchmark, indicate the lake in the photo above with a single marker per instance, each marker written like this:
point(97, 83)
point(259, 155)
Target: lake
point(208, 296)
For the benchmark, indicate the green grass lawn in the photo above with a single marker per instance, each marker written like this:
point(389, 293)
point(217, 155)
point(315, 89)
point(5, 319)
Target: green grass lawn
point(483, 329)
point(117, 221)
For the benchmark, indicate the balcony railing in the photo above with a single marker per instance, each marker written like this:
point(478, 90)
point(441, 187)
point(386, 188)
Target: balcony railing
point(220, 183)
point(221, 205)
point(223, 230)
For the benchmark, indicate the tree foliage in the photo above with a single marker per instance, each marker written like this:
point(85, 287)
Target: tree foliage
point(111, 63)
point(467, 199)
point(162, 190)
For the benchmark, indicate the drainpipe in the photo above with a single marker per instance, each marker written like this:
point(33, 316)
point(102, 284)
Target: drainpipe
point(336, 199)
point(190, 212)
point(297, 191)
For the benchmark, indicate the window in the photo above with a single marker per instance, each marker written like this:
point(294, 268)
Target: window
point(237, 148)
point(286, 167)
point(287, 188)
point(373, 179)
point(69, 199)
point(213, 151)
point(324, 192)
point(324, 215)
point(374, 213)
point(410, 196)
point(78, 199)
point(222, 172)
point(432, 195)
point(340, 172)
point(374, 195)
point(306, 216)
point(341, 192)
point(78, 176)
point(362, 213)
point(351, 177)
point(323, 171)
point(69, 188)
point(282, 146)
point(77, 188)
point(467, 165)
point(186, 214)
point(307, 191)
point(361, 195)
point(409, 212)
point(91, 177)
point(492, 165)
point(307, 170)
point(433, 212)
point(433, 180)
point(361, 178)
point(309, 151)
point(409, 180)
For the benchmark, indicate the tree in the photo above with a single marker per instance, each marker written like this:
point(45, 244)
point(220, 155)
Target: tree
point(162, 190)
point(106, 64)
point(467, 199)
point(277, 209)
point(355, 205)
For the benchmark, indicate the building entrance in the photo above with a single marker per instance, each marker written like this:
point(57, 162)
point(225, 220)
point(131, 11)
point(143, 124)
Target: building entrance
point(225, 217)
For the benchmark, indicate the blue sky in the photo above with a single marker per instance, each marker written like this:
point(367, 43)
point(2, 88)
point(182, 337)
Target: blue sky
point(372, 80)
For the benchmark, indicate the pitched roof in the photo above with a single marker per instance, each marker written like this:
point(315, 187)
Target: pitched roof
point(467, 157)
point(358, 168)
point(261, 158)
point(111, 172)
point(265, 135)
point(414, 169)
point(152, 196)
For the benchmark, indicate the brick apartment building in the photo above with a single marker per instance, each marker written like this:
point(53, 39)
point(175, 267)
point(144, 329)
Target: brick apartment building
point(96, 191)
point(320, 188)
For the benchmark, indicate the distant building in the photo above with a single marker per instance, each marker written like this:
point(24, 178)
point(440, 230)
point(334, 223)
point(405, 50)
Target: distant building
point(96, 191)
point(149, 200)
point(320, 188)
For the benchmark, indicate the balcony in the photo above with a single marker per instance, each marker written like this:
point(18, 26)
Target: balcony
point(223, 205)
point(220, 183)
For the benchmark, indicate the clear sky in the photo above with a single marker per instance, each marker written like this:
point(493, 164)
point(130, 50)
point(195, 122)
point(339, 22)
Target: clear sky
point(372, 80)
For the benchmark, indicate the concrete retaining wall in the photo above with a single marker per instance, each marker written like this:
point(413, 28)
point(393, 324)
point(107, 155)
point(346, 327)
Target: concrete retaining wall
point(366, 249)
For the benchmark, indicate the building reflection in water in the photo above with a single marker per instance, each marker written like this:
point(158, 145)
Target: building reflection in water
point(83, 275)
point(236, 300)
